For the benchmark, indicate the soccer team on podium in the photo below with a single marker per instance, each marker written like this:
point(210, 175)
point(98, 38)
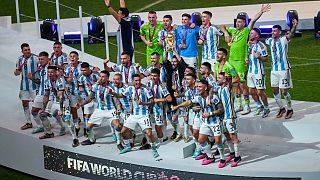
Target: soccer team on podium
point(59, 84)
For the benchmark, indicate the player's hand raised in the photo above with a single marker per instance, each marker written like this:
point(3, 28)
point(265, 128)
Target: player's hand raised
point(265, 8)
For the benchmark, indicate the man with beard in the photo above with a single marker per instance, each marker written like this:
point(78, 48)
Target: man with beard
point(238, 43)
point(27, 64)
point(280, 68)
point(256, 79)
point(163, 34)
point(59, 58)
point(127, 69)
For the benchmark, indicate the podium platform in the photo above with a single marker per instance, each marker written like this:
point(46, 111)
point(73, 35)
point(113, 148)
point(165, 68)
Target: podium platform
point(271, 148)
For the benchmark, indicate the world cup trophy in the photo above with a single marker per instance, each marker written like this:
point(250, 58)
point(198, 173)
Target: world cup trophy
point(170, 42)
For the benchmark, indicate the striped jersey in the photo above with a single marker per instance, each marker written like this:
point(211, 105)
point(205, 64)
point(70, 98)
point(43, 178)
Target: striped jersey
point(42, 74)
point(211, 80)
point(227, 100)
point(127, 72)
point(203, 102)
point(210, 36)
point(142, 94)
point(159, 91)
point(74, 73)
point(102, 97)
point(190, 94)
point(163, 73)
point(54, 86)
point(125, 101)
point(162, 35)
point(87, 82)
point(27, 65)
point(255, 65)
point(59, 60)
point(279, 53)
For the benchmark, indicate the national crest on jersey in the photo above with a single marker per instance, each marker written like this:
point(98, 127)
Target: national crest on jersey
point(27, 65)
point(205, 108)
point(88, 81)
point(142, 94)
point(125, 101)
point(74, 73)
point(59, 60)
point(127, 72)
point(210, 36)
point(255, 65)
point(54, 86)
point(227, 100)
point(159, 91)
point(102, 97)
point(279, 53)
point(42, 74)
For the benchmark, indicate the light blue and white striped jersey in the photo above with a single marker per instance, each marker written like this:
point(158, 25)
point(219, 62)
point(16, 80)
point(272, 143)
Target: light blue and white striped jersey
point(42, 74)
point(159, 91)
point(211, 80)
point(175, 82)
point(162, 35)
point(227, 100)
point(54, 87)
point(59, 60)
point(125, 101)
point(142, 94)
point(163, 73)
point(210, 35)
point(255, 65)
point(87, 82)
point(75, 73)
point(102, 97)
point(126, 72)
point(27, 65)
point(212, 120)
point(190, 94)
point(279, 53)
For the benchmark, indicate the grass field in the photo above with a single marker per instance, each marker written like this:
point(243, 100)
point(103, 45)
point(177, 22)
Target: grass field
point(47, 8)
point(303, 52)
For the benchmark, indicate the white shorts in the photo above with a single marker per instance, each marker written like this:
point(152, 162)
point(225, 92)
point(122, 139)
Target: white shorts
point(142, 120)
point(196, 123)
point(123, 116)
point(230, 126)
point(27, 95)
point(88, 108)
point(53, 107)
point(157, 120)
point(38, 102)
point(281, 79)
point(191, 61)
point(100, 115)
point(210, 130)
point(256, 81)
point(211, 61)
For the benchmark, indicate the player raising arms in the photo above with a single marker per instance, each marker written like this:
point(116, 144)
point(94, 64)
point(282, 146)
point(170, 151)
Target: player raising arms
point(280, 67)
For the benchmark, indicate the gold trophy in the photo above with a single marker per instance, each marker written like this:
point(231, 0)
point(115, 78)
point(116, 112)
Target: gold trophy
point(170, 42)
